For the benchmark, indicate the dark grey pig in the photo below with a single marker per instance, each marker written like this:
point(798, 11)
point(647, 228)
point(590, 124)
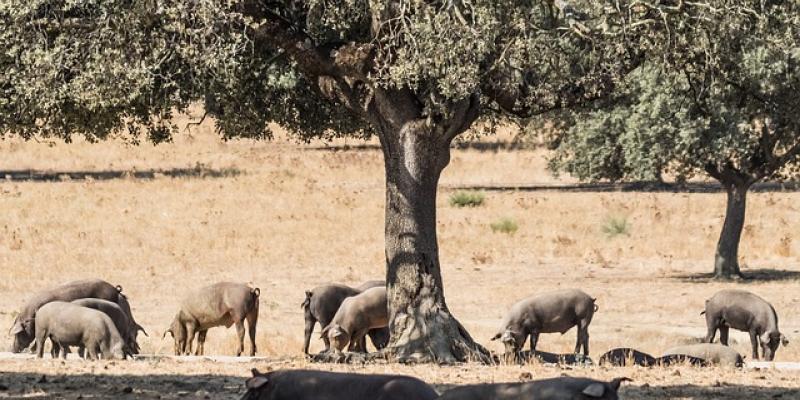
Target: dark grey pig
point(622, 357)
point(67, 324)
point(321, 304)
point(356, 316)
point(553, 312)
point(564, 388)
point(24, 325)
point(318, 385)
point(220, 304)
point(712, 353)
point(744, 311)
point(555, 358)
point(120, 319)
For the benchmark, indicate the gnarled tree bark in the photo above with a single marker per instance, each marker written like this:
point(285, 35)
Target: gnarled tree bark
point(416, 150)
point(422, 327)
point(726, 259)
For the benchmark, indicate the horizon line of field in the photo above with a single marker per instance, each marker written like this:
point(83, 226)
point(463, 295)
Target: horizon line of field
point(203, 172)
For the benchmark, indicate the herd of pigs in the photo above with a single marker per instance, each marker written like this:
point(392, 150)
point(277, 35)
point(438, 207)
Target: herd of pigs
point(95, 317)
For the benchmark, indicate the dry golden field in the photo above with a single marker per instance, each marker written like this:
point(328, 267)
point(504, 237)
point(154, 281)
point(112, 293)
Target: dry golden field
point(286, 217)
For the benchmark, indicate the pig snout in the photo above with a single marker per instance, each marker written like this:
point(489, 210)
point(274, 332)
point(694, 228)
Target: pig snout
point(339, 339)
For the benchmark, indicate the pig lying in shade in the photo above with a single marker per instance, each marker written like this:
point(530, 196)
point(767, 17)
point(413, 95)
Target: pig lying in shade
point(564, 388)
point(318, 385)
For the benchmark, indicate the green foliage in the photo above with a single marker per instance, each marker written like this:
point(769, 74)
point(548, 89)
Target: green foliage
point(504, 225)
point(96, 68)
point(719, 96)
point(467, 199)
point(615, 226)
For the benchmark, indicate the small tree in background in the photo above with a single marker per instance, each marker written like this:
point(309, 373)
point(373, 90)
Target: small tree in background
point(416, 74)
point(723, 100)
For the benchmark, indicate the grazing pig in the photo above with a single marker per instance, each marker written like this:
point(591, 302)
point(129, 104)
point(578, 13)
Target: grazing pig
point(120, 319)
point(221, 304)
point(744, 311)
point(710, 352)
point(67, 324)
point(321, 304)
point(356, 316)
point(552, 312)
point(24, 325)
point(319, 385)
point(564, 388)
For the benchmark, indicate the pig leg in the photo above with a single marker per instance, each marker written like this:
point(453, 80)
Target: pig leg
point(534, 340)
point(201, 343)
point(91, 349)
point(190, 331)
point(723, 334)
point(310, 321)
point(41, 334)
point(754, 342)
point(240, 333)
point(582, 341)
point(359, 341)
point(55, 349)
point(252, 322)
point(712, 323)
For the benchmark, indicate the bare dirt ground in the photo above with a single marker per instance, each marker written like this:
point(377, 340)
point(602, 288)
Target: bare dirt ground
point(285, 217)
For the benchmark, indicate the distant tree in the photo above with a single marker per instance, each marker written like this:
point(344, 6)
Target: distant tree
point(721, 99)
point(416, 74)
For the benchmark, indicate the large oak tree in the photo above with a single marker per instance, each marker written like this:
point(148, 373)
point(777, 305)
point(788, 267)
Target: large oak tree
point(722, 100)
point(414, 73)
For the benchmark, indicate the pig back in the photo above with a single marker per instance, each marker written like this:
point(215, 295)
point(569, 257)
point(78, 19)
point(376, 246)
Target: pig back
point(219, 304)
point(712, 353)
point(554, 312)
point(95, 288)
point(372, 305)
point(741, 309)
point(113, 310)
point(326, 300)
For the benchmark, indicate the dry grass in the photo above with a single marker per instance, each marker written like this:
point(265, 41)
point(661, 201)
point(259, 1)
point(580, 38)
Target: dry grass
point(296, 216)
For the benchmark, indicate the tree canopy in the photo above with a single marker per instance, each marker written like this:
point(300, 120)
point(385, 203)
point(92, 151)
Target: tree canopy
point(720, 99)
point(101, 67)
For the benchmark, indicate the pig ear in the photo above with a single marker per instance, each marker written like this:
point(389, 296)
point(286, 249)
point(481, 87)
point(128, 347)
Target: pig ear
point(338, 332)
point(496, 336)
point(595, 390)
point(256, 382)
point(324, 331)
point(618, 381)
point(168, 331)
point(255, 372)
point(17, 328)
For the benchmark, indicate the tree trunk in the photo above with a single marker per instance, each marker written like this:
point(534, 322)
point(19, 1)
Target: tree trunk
point(422, 328)
point(726, 260)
